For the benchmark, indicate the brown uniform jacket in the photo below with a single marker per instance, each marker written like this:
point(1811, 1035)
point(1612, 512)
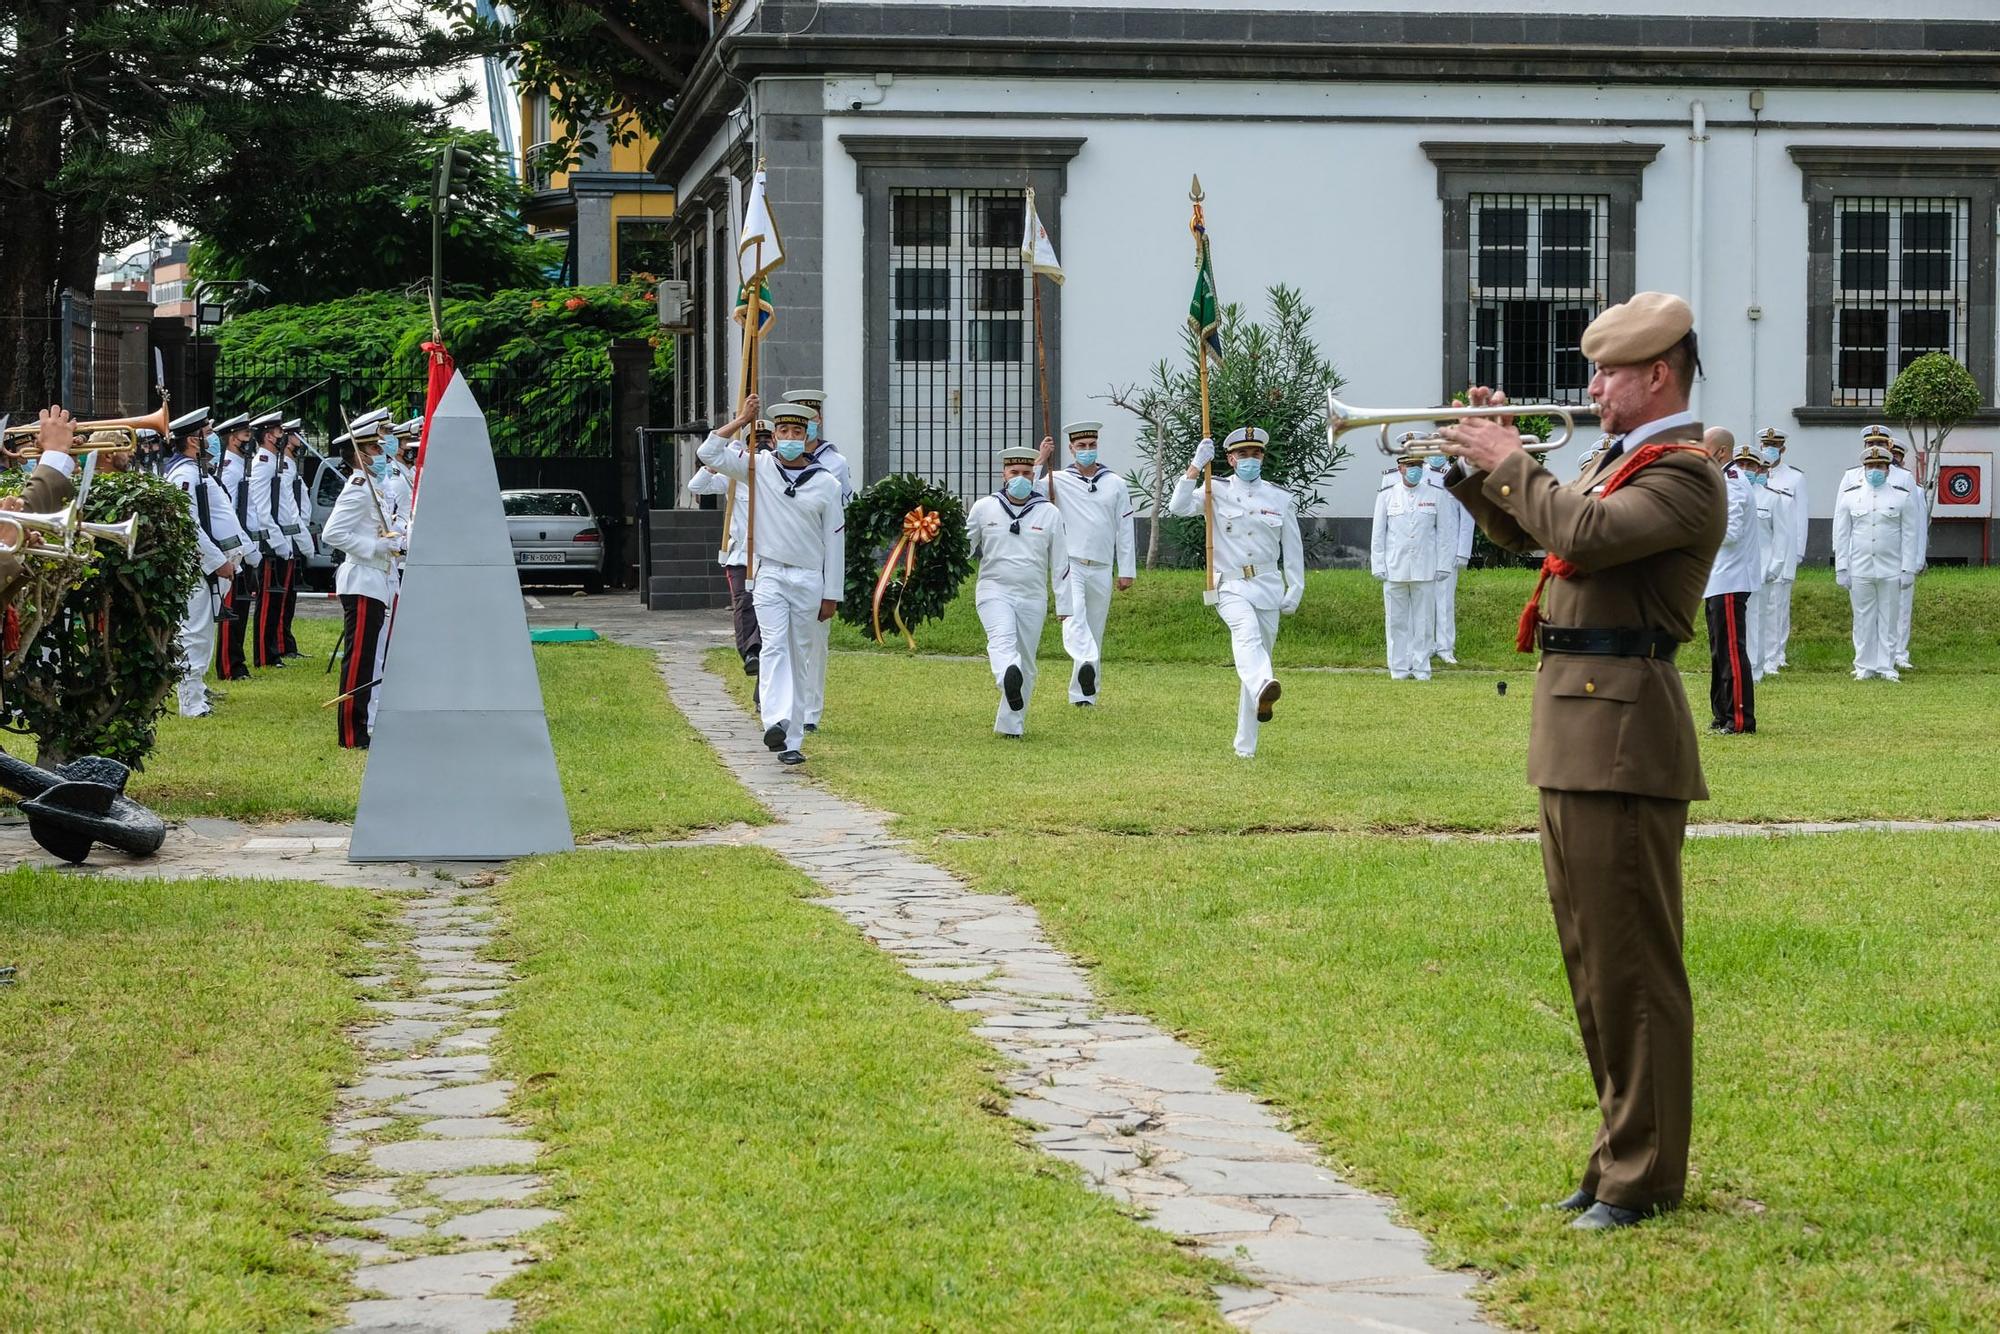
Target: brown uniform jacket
point(1604, 724)
point(46, 490)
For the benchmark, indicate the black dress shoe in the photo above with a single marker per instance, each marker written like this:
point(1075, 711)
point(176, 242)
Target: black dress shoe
point(792, 757)
point(1603, 1217)
point(774, 737)
point(1010, 686)
point(1265, 699)
point(750, 666)
point(1574, 1204)
point(1086, 677)
point(812, 727)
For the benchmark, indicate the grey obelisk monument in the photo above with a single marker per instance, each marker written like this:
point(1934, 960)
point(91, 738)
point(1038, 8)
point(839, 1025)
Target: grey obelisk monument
point(461, 768)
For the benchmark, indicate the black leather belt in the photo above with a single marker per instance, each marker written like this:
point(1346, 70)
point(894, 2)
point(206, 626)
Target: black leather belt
point(1610, 643)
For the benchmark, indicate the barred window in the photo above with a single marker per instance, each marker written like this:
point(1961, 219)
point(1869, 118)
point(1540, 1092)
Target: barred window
point(1539, 275)
point(1902, 275)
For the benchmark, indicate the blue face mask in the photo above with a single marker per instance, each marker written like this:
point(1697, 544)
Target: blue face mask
point(1413, 473)
point(214, 443)
point(1772, 453)
point(1020, 487)
point(1758, 478)
point(1086, 458)
point(1438, 461)
point(379, 467)
point(1249, 470)
point(789, 450)
point(1876, 476)
point(812, 430)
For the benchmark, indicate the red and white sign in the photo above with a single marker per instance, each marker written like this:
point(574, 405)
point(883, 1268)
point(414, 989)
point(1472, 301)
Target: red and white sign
point(1965, 486)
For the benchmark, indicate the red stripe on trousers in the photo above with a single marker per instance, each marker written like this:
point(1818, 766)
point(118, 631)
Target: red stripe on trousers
point(1735, 659)
point(349, 710)
point(264, 613)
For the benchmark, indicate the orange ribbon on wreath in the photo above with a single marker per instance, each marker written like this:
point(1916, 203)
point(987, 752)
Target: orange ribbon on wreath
point(919, 526)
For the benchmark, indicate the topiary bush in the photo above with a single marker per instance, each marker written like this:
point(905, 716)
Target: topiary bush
point(97, 678)
point(874, 522)
point(1932, 395)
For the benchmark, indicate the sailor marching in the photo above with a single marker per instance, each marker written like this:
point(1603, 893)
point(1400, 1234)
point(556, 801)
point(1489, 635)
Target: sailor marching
point(1021, 543)
point(1096, 505)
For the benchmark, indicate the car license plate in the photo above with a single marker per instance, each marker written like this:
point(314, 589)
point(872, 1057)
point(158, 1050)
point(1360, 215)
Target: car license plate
point(538, 557)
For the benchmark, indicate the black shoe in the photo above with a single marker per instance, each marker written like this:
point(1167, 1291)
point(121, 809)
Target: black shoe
point(1265, 699)
point(774, 737)
point(1086, 677)
point(1010, 686)
point(1602, 1217)
point(750, 666)
point(812, 727)
point(1575, 1204)
point(792, 757)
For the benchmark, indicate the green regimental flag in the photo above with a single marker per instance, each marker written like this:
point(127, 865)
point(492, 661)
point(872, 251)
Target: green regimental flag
point(1204, 309)
point(767, 314)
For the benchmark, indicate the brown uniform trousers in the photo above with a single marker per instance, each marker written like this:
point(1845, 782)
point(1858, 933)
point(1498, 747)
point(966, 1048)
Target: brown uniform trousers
point(1612, 747)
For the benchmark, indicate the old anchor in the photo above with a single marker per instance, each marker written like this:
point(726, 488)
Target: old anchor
point(82, 803)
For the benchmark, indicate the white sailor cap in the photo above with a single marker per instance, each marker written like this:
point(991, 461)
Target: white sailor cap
point(762, 426)
point(1771, 435)
point(268, 419)
point(1882, 433)
point(294, 424)
point(1874, 453)
point(369, 418)
point(339, 441)
point(792, 412)
point(367, 432)
point(240, 419)
point(1074, 429)
point(413, 426)
point(1246, 435)
point(187, 421)
point(814, 397)
point(1019, 454)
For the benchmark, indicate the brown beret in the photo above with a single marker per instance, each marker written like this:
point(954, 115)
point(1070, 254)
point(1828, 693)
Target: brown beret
point(1638, 331)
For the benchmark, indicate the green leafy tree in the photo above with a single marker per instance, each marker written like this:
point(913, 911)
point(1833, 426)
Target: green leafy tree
point(1273, 376)
point(377, 234)
point(120, 116)
point(1931, 396)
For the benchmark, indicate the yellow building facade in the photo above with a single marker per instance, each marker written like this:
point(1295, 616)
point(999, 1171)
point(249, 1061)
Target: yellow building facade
point(611, 212)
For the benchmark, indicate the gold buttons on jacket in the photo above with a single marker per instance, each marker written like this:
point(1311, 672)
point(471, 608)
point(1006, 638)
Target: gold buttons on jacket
point(1506, 490)
point(1590, 687)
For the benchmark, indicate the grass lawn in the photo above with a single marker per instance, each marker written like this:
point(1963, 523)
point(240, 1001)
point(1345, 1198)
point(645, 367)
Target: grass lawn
point(1404, 999)
point(1955, 627)
point(631, 766)
point(158, 1168)
point(760, 1122)
point(1351, 751)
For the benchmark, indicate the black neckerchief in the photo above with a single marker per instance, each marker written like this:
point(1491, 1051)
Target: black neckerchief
point(1034, 498)
point(1090, 481)
point(795, 478)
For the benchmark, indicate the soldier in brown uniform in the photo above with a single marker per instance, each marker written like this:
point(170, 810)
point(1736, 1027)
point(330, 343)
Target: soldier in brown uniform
point(1612, 745)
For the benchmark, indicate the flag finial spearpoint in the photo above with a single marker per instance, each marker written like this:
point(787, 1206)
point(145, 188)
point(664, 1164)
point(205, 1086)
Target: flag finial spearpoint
point(1194, 191)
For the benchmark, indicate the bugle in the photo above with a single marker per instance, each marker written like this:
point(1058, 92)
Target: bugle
point(123, 430)
point(66, 527)
point(1343, 417)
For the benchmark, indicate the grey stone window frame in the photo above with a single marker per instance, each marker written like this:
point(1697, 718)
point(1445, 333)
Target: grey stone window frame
point(947, 162)
point(1612, 169)
point(1829, 173)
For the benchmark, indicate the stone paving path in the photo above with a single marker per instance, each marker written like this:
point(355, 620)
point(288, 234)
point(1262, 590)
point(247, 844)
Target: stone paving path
point(1136, 1110)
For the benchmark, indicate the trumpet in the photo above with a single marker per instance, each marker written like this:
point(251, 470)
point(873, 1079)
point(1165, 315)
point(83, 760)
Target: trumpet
point(1342, 418)
point(64, 525)
point(123, 433)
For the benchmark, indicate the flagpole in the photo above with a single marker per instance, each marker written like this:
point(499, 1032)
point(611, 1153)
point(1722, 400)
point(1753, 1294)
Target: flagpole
point(753, 320)
point(1041, 345)
point(1208, 595)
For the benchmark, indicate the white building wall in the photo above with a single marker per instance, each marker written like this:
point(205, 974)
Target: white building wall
point(1326, 187)
point(1835, 9)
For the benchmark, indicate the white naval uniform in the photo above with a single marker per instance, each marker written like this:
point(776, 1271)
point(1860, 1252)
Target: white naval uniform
point(1777, 614)
point(826, 456)
point(233, 473)
point(1774, 539)
point(294, 511)
point(801, 561)
point(1876, 545)
point(1407, 552)
point(197, 632)
point(1097, 519)
point(1022, 549)
point(1899, 648)
point(369, 565)
point(1259, 575)
point(266, 470)
point(1455, 529)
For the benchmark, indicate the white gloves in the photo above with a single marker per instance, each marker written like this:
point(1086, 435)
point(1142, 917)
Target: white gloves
point(1290, 604)
point(1843, 578)
point(1204, 453)
point(1463, 561)
point(1905, 580)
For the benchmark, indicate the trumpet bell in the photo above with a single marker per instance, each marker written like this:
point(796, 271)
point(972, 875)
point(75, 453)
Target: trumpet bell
point(54, 523)
point(1344, 417)
point(124, 535)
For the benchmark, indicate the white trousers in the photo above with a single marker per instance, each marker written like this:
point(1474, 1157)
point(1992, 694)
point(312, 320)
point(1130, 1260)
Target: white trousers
point(1875, 605)
point(197, 642)
point(815, 675)
point(381, 660)
point(1753, 631)
point(1407, 612)
point(787, 603)
point(1775, 622)
point(1013, 624)
point(1901, 653)
point(1253, 633)
point(1445, 607)
point(1083, 636)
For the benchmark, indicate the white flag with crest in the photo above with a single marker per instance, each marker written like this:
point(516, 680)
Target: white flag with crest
point(1037, 250)
point(759, 251)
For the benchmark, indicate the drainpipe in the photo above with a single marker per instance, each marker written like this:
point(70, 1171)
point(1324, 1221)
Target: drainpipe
point(1698, 164)
point(1756, 309)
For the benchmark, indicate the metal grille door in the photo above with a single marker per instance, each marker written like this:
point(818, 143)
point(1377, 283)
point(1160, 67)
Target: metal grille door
point(961, 346)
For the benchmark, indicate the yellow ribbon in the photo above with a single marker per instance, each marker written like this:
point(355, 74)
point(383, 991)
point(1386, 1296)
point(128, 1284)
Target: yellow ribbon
point(919, 526)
